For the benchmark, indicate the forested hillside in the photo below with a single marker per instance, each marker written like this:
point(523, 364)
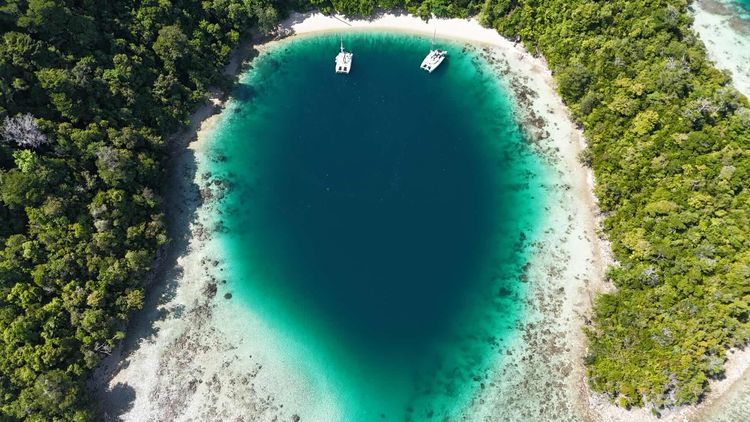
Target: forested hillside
point(669, 144)
point(89, 91)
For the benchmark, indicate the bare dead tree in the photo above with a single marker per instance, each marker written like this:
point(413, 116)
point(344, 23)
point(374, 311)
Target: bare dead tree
point(22, 130)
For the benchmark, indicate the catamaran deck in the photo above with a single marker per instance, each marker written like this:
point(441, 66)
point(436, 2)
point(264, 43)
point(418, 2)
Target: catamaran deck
point(433, 60)
point(343, 60)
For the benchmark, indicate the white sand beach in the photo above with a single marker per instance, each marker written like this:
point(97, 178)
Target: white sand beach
point(727, 39)
point(186, 358)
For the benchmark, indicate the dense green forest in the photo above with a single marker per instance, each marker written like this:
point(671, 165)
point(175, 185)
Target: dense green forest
point(90, 91)
point(668, 142)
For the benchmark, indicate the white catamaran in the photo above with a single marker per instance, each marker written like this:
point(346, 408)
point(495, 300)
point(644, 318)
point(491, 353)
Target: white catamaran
point(434, 58)
point(343, 60)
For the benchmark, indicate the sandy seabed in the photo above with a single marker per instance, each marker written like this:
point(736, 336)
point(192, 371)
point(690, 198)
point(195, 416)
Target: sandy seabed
point(193, 354)
point(727, 40)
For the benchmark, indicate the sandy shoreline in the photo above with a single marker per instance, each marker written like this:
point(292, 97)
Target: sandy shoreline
point(177, 349)
point(178, 355)
point(727, 40)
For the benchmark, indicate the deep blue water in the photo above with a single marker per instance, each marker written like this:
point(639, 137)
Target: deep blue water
point(380, 218)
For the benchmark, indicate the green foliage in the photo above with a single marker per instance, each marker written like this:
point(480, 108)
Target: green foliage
point(107, 81)
point(171, 44)
point(267, 16)
point(82, 216)
point(574, 81)
point(668, 142)
point(422, 8)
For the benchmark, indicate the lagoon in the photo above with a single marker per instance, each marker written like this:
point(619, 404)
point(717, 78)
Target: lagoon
point(380, 220)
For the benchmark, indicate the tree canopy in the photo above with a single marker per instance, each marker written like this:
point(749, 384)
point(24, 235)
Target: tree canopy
point(668, 141)
point(89, 91)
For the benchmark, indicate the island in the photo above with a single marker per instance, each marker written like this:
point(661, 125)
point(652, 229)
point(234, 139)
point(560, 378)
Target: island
point(620, 294)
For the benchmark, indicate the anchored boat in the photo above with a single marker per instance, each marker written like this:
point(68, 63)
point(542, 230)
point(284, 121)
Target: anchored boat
point(434, 57)
point(343, 60)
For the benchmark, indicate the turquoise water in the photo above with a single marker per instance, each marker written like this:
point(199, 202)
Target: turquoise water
point(741, 7)
point(379, 220)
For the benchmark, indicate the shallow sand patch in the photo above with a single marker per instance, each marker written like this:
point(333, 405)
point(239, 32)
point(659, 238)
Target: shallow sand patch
point(727, 40)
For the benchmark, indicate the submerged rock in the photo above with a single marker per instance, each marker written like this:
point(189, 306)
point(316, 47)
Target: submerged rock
point(210, 290)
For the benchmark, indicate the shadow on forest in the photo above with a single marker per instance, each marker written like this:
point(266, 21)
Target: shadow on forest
point(183, 199)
